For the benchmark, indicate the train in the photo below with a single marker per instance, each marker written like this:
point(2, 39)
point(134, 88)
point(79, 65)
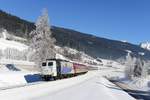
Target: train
point(58, 68)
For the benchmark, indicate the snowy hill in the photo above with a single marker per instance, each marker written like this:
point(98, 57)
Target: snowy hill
point(145, 45)
point(10, 41)
point(4, 44)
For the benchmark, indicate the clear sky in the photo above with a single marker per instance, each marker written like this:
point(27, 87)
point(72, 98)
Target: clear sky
point(115, 19)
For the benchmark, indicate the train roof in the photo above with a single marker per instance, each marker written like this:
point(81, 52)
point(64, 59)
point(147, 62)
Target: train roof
point(65, 61)
point(58, 59)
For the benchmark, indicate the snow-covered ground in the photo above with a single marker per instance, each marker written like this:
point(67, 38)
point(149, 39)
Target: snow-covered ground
point(94, 88)
point(11, 44)
point(10, 79)
point(12, 75)
point(13, 78)
point(91, 86)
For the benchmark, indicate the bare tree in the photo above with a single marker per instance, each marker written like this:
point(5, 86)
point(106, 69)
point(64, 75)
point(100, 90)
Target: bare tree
point(42, 42)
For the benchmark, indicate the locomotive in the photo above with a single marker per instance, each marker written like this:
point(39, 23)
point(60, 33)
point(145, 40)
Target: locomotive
point(58, 68)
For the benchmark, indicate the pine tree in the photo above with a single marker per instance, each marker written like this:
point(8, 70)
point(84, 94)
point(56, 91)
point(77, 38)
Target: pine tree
point(42, 42)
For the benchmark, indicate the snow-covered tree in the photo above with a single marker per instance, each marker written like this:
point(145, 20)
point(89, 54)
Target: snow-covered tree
point(141, 68)
point(1, 54)
point(145, 70)
point(42, 42)
point(7, 53)
point(129, 69)
point(73, 55)
point(65, 51)
point(78, 56)
point(138, 68)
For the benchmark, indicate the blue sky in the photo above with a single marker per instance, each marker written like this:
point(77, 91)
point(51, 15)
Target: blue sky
point(115, 19)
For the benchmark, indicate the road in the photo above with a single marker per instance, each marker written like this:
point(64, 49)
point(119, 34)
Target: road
point(91, 86)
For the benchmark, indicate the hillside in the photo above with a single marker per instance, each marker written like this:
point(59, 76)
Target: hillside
point(92, 45)
point(15, 25)
point(95, 46)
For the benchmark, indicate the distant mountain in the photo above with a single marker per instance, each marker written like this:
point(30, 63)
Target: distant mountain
point(15, 25)
point(92, 45)
point(145, 45)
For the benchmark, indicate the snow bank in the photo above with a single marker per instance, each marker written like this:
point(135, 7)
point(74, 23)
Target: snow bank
point(9, 79)
point(17, 78)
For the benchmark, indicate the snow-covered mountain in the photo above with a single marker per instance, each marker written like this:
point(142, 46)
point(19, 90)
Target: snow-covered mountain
point(96, 47)
point(145, 45)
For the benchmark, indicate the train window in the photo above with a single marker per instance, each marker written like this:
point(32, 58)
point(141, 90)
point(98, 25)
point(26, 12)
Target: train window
point(44, 64)
point(50, 63)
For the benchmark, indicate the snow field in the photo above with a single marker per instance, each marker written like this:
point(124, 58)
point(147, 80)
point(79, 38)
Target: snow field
point(17, 78)
point(9, 79)
point(91, 86)
point(30, 92)
point(11, 44)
